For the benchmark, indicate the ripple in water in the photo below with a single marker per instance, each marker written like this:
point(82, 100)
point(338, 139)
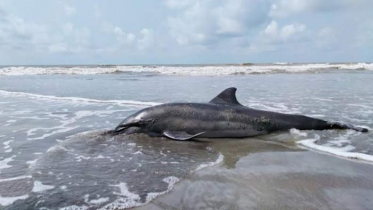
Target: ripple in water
point(103, 172)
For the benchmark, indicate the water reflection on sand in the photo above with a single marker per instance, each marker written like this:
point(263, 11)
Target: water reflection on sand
point(263, 175)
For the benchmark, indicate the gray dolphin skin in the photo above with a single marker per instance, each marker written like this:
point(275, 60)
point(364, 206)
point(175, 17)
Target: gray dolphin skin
point(222, 117)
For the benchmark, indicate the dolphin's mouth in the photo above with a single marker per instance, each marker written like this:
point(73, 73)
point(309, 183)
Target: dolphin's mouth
point(131, 127)
point(120, 129)
point(117, 131)
point(125, 128)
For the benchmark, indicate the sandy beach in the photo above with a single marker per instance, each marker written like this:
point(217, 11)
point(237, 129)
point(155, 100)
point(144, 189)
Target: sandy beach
point(264, 175)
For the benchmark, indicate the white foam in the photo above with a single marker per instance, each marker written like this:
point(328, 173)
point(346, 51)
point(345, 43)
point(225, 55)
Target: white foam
point(125, 192)
point(65, 124)
point(4, 163)
point(31, 163)
point(341, 152)
point(187, 70)
point(57, 148)
point(61, 129)
point(33, 70)
point(130, 200)
point(99, 200)
point(297, 132)
point(5, 201)
point(77, 99)
point(81, 157)
point(74, 207)
point(138, 153)
point(40, 187)
point(282, 63)
point(15, 178)
point(171, 181)
point(217, 161)
point(342, 141)
point(6, 143)
point(127, 199)
point(7, 146)
point(278, 107)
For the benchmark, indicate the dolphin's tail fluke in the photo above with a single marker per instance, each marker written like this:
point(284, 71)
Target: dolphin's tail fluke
point(338, 125)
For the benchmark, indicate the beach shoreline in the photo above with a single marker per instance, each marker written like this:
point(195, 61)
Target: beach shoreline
point(283, 178)
point(40, 148)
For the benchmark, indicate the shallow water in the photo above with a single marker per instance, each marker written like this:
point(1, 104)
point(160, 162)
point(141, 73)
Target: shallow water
point(53, 155)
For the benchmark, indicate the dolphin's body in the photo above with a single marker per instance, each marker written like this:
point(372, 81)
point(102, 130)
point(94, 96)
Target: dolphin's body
point(222, 117)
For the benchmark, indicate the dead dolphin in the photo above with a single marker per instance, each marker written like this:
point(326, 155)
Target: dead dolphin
point(222, 117)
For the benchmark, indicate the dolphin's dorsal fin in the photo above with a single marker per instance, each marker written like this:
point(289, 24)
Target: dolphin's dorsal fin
point(227, 97)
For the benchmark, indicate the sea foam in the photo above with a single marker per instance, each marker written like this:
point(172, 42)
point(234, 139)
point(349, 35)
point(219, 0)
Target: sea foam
point(40, 187)
point(195, 70)
point(339, 152)
point(6, 201)
point(77, 99)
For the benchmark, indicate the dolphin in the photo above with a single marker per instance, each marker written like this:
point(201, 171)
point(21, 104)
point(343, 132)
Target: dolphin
point(222, 117)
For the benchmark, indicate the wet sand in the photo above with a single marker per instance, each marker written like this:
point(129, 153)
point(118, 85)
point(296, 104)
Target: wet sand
point(263, 175)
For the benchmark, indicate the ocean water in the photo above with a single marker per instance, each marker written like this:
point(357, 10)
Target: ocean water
point(53, 154)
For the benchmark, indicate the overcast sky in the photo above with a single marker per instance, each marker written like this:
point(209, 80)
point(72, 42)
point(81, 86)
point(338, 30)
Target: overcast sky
point(184, 31)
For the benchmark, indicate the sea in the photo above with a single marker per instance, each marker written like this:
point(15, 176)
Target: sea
point(54, 153)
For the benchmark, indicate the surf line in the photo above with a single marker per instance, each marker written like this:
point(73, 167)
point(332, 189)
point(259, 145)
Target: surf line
point(78, 99)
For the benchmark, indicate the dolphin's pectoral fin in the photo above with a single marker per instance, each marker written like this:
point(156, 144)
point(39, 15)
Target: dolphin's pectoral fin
point(180, 135)
point(227, 97)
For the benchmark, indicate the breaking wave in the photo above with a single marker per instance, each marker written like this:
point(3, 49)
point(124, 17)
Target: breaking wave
point(187, 70)
point(339, 147)
point(77, 99)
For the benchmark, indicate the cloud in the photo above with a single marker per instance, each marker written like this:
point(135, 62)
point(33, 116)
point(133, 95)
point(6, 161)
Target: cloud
point(144, 39)
point(274, 36)
point(326, 38)
point(274, 33)
point(122, 37)
point(364, 35)
point(82, 36)
point(68, 28)
point(97, 11)
point(70, 11)
point(289, 31)
point(286, 8)
point(175, 4)
point(18, 34)
point(58, 48)
point(222, 30)
point(147, 39)
point(72, 40)
point(211, 21)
